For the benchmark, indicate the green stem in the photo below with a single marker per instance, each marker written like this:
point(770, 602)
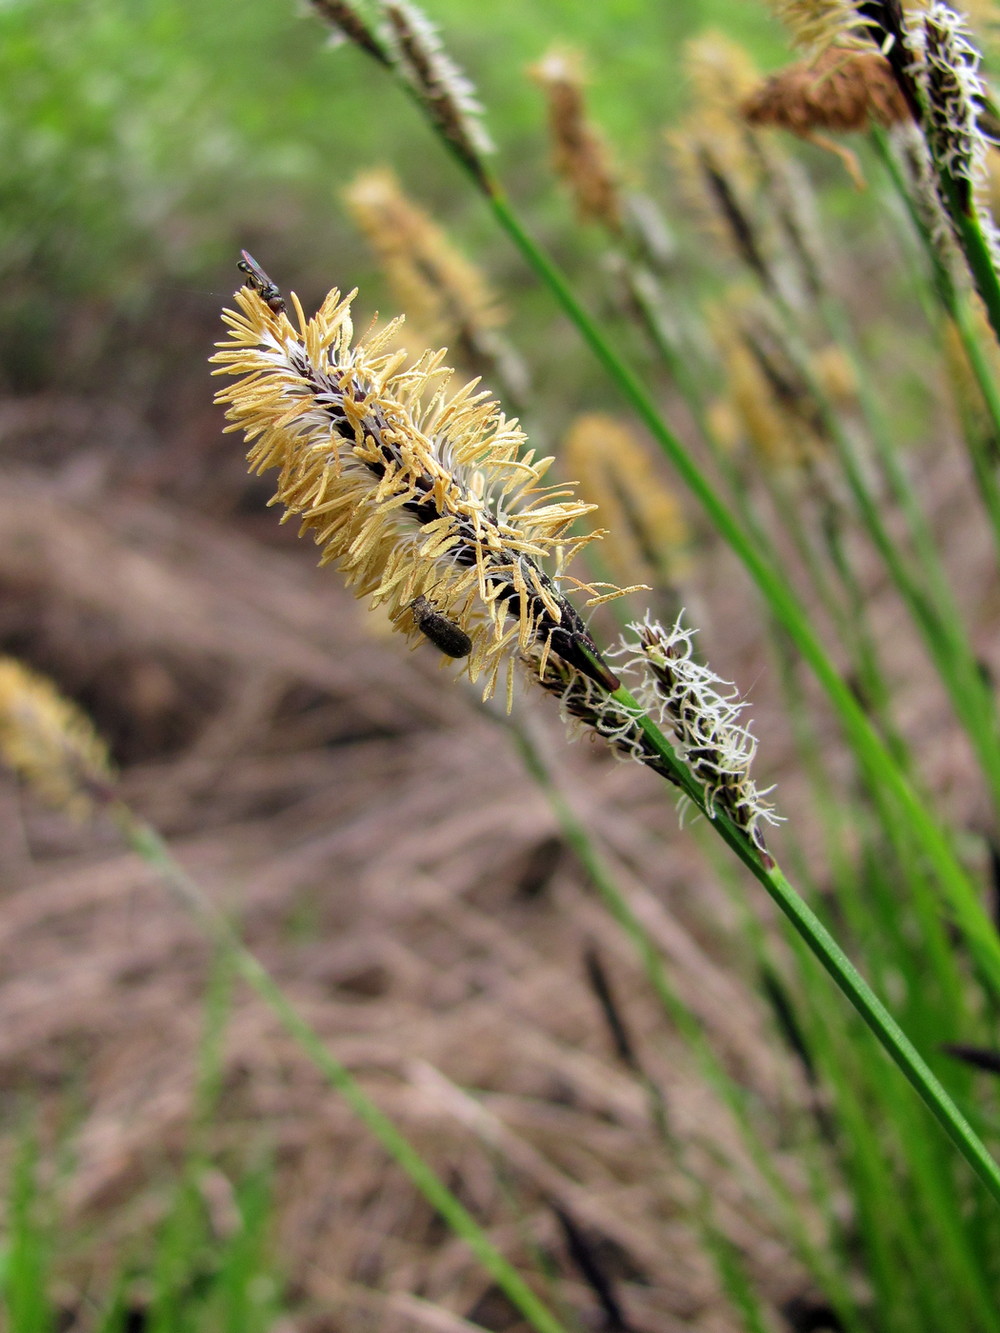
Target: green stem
point(983, 457)
point(977, 250)
point(154, 851)
point(873, 755)
point(925, 591)
point(835, 961)
point(691, 1030)
point(956, 305)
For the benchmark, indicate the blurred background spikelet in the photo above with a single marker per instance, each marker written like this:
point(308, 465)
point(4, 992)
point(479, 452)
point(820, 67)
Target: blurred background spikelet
point(836, 375)
point(840, 90)
point(50, 743)
point(746, 188)
point(814, 25)
point(712, 151)
point(719, 72)
point(647, 534)
point(445, 296)
point(984, 19)
point(580, 155)
point(766, 403)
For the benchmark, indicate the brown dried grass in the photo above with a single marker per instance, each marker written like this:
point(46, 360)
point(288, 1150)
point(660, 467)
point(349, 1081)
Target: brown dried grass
point(390, 863)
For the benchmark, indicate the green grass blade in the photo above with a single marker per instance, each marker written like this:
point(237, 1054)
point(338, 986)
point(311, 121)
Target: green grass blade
point(148, 844)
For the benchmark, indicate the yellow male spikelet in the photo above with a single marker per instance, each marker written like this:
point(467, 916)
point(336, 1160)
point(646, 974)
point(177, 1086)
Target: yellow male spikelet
point(425, 501)
point(443, 293)
point(646, 530)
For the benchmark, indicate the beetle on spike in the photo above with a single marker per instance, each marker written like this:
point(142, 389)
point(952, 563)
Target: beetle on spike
point(442, 632)
point(258, 281)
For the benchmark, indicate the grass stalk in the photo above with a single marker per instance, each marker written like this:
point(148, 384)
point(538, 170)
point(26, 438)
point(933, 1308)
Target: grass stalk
point(874, 756)
point(835, 962)
point(148, 844)
point(976, 249)
point(733, 1096)
point(927, 595)
point(957, 307)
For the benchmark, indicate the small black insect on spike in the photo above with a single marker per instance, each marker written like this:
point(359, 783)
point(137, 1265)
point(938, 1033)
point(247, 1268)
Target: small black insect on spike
point(441, 631)
point(258, 281)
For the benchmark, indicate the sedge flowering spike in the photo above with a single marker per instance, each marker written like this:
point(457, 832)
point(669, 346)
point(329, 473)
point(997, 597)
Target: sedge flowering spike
point(585, 708)
point(448, 96)
point(703, 714)
point(580, 155)
point(840, 89)
point(50, 743)
point(348, 24)
point(426, 501)
point(439, 288)
point(946, 66)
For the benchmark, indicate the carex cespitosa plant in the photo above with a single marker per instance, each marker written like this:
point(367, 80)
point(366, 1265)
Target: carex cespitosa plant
point(500, 599)
point(443, 98)
point(430, 504)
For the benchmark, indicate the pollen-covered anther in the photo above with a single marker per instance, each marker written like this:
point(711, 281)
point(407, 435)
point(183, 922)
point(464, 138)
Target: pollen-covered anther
point(425, 500)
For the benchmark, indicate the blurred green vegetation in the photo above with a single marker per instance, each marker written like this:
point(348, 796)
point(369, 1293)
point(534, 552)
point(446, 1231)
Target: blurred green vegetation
point(145, 141)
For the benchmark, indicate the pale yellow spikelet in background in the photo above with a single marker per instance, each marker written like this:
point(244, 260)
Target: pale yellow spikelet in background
point(836, 375)
point(712, 153)
point(760, 422)
point(725, 423)
point(984, 18)
point(445, 295)
point(720, 71)
point(743, 187)
point(647, 534)
point(777, 414)
point(814, 25)
point(427, 502)
point(50, 743)
point(580, 155)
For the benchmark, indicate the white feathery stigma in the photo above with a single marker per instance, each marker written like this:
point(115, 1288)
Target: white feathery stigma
point(702, 713)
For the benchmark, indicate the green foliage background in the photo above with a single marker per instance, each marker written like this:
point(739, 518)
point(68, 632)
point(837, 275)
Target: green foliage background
point(145, 141)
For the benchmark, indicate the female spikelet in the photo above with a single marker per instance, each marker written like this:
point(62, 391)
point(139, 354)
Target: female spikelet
point(416, 494)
